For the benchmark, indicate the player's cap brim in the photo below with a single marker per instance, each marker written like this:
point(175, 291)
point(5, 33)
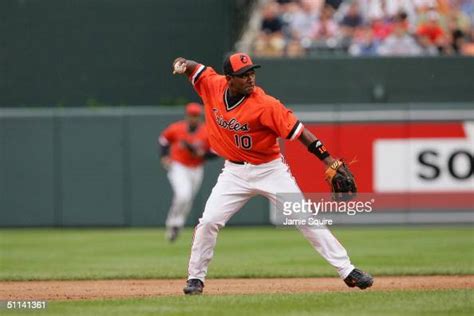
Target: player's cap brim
point(243, 70)
point(193, 109)
point(193, 113)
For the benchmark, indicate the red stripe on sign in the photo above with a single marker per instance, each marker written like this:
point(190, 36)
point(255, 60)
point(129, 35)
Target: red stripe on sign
point(423, 201)
point(355, 140)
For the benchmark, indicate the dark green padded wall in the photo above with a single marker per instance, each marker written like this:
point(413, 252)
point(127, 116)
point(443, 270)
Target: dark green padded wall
point(27, 173)
point(93, 167)
point(91, 153)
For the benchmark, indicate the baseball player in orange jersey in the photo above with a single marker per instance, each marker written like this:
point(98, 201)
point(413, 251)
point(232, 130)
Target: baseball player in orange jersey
point(244, 124)
point(184, 147)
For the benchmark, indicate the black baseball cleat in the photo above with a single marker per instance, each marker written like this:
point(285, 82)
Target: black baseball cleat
point(193, 287)
point(360, 279)
point(172, 233)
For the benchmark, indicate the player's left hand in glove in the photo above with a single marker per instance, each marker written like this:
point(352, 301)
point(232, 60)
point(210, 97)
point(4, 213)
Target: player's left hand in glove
point(341, 181)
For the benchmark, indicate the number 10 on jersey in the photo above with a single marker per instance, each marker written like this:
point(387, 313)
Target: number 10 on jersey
point(243, 141)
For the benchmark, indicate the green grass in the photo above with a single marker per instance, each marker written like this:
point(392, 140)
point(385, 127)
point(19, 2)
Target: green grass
point(35, 254)
point(405, 303)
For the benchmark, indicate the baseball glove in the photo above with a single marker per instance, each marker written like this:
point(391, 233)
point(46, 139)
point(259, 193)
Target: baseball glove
point(341, 181)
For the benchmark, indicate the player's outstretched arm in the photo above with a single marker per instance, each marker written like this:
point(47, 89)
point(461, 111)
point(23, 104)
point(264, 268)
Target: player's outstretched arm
point(183, 66)
point(337, 174)
point(315, 146)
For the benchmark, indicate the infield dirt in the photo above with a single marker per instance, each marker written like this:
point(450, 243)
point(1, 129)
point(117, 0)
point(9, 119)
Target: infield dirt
point(110, 289)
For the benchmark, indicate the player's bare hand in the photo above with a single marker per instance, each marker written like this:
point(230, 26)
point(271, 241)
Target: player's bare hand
point(179, 66)
point(166, 162)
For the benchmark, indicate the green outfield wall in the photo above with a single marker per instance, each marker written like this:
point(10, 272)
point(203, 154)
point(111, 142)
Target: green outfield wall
point(93, 167)
point(100, 167)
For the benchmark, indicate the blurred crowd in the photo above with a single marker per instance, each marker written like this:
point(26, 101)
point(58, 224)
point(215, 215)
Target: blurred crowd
point(296, 28)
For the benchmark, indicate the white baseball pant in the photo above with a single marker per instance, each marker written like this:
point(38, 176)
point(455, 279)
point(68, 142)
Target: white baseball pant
point(235, 186)
point(185, 182)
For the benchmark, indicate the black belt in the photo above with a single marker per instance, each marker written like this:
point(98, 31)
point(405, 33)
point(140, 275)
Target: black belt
point(238, 162)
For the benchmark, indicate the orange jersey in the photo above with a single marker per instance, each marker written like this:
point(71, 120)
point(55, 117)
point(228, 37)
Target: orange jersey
point(177, 133)
point(248, 130)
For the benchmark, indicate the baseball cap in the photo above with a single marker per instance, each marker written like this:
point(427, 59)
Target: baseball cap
point(238, 64)
point(193, 108)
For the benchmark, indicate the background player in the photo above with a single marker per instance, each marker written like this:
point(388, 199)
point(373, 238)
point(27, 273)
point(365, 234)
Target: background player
point(184, 147)
point(244, 123)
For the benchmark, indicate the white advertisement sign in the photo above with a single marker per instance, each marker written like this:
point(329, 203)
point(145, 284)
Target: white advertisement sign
point(424, 164)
